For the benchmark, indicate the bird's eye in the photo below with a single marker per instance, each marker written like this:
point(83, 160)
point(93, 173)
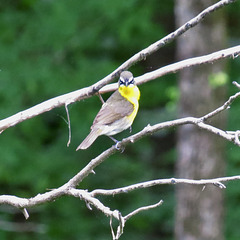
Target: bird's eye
point(131, 81)
point(121, 81)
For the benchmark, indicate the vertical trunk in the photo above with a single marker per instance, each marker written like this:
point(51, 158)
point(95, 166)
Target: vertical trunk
point(199, 213)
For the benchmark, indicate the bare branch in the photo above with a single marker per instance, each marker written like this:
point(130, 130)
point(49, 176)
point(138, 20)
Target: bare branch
point(236, 84)
point(232, 136)
point(84, 92)
point(143, 209)
point(199, 122)
point(218, 182)
point(72, 183)
point(222, 108)
point(89, 91)
point(123, 220)
point(25, 213)
point(172, 68)
point(90, 196)
point(237, 134)
point(84, 195)
point(90, 167)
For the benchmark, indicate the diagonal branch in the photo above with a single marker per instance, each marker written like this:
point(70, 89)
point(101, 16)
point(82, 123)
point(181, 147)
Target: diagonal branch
point(69, 98)
point(232, 52)
point(223, 107)
point(77, 95)
point(73, 182)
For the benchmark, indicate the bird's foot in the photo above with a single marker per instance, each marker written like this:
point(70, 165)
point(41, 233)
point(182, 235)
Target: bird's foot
point(119, 148)
point(117, 143)
point(130, 129)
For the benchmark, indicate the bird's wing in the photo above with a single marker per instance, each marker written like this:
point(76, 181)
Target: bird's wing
point(110, 113)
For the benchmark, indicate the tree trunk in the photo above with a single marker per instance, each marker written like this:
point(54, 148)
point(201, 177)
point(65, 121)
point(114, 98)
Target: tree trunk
point(199, 212)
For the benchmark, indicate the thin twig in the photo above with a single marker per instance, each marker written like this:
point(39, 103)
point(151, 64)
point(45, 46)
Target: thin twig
point(236, 84)
point(222, 108)
point(111, 227)
point(143, 209)
point(101, 98)
point(25, 213)
point(69, 125)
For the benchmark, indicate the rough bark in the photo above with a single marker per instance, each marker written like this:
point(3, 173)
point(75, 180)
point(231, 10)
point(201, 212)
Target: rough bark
point(199, 213)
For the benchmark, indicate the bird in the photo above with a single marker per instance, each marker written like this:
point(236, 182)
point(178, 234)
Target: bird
point(117, 113)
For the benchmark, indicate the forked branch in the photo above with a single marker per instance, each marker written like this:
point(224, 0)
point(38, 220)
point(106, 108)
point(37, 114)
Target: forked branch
point(69, 188)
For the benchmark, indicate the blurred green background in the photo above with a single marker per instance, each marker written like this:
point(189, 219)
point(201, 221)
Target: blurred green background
point(48, 48)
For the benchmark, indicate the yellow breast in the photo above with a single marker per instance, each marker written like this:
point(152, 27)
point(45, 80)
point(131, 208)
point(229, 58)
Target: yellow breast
point(132, 94)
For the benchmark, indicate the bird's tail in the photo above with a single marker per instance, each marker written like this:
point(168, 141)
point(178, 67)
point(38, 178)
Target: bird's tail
point(88, 141)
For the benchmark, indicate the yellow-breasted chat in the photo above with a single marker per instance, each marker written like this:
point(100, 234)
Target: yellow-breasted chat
point(117, 113)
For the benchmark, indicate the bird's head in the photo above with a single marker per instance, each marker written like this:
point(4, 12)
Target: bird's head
point(126, 79)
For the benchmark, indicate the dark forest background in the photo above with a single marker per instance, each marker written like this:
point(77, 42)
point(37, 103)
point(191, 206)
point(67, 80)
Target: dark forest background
point(48, 48)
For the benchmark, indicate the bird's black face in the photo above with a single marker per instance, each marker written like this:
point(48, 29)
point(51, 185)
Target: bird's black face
point(126, 79)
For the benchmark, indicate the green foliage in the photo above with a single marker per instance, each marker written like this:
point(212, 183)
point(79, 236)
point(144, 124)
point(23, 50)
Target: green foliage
point(50, 48)
point(218, 79)
point(234, 21)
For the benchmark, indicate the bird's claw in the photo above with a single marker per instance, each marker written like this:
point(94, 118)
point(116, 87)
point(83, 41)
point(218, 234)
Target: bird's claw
point(119, 148)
